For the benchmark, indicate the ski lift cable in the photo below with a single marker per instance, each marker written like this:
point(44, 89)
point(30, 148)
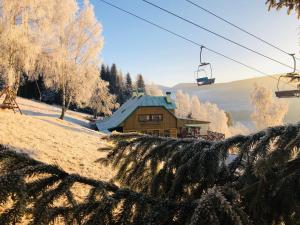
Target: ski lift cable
point(216, 34)
point(190, 41)
point(240, 28)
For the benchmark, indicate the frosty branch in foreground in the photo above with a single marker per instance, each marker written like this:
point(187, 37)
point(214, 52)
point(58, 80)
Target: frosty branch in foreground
point(42, 194)
point(174, 182)
point(264, 168)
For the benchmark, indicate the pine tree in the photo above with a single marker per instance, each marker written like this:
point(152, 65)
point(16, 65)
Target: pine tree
point(120, 89)
point(140, 83)
point(113, 79)
point(117, 86)
point(46, 194)
point(128, 82)
point(261, 181)
point(128, 87)
point(104, 73)
point(171, 181)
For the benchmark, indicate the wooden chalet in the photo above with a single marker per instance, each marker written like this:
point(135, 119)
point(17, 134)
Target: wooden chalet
point(153, 115)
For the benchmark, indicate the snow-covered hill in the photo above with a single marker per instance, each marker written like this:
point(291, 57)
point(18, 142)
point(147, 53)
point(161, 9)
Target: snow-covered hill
point(69, 144)
point(234, 96)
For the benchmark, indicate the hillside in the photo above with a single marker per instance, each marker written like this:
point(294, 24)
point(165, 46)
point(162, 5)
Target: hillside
point(234, 96)
point(39, 132)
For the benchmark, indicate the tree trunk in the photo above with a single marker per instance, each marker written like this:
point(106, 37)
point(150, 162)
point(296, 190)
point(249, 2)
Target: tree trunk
point(95, 114)
point(65, 107)
point(16, 84)
point(63, 111)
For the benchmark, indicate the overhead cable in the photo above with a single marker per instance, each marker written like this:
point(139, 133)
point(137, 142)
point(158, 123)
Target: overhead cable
point(189, 40)
point(239, 28)
point(217, 34)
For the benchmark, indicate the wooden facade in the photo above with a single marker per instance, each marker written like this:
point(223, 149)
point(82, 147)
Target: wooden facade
point(161, 122)
point(151, 120)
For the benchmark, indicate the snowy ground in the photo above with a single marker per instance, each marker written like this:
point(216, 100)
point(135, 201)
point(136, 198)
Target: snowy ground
point(69, 144)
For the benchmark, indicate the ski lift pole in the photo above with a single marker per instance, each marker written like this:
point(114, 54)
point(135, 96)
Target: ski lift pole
point(294, 59)
point(201, 51)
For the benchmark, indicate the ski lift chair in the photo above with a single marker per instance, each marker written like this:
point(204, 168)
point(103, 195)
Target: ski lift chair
point(288, 93)
point(293, 76)
point(207, 79)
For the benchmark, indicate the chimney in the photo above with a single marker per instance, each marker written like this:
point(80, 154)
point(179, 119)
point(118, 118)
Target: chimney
point(134, 93)
point(168, 97)
point(140, 92)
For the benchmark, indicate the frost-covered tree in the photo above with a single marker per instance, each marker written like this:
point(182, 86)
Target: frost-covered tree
point(191, 107)
point(23, 24)
point(289, 4)
point(153, 90)
point(267, 111)
point(56, 39)
point(73, 52)
point(229, 119)
point(102, 102)
point(183, 104)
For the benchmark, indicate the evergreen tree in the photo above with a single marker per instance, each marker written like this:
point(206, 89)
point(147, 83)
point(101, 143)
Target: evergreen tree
point(128, 86)
point(120, 89)
point(128, 82)
point(168, 181)
point(104, 73)
point(113, 80)
point(140, 83)
point(254, 181)
point(117, 86)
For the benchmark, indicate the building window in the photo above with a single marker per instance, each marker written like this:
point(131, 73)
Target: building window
point(156, 117)
point(150, 117)
point(144, 118)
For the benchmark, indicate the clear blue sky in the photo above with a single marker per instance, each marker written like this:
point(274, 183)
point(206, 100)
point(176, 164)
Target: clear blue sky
point(137, 47)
